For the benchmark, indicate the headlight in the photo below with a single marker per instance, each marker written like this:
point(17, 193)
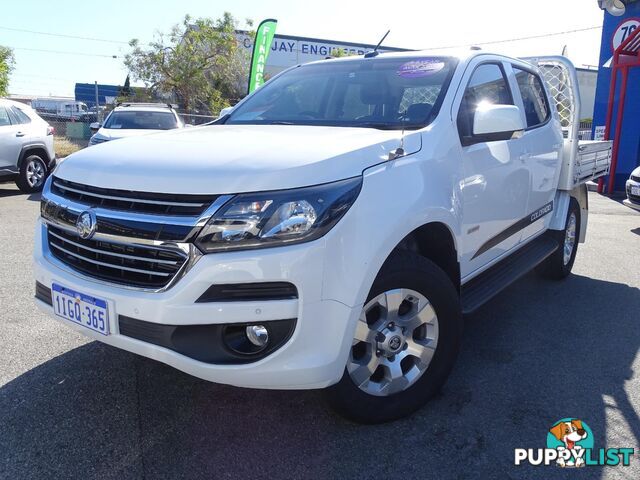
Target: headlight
point(266, 219)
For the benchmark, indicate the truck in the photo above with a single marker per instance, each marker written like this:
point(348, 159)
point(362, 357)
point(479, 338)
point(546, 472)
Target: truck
point(331, 230)
point(60, 108)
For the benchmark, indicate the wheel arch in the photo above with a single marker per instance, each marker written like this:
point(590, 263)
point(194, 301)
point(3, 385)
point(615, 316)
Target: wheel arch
point(561, 206)
point(39, 149)
point(436, 242)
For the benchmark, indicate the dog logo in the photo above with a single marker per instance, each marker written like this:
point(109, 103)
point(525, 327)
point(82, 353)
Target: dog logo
point(86, 224)
point(570, 435)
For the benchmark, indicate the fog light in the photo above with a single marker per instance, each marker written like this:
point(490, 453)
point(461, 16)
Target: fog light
point(257, 335)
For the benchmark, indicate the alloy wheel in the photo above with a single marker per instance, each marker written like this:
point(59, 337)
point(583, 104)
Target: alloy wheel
point(35, 173)
point(569, 238)
point(395, 340)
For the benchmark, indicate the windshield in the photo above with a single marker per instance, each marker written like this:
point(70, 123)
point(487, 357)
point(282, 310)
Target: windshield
point(377, 92)
point(141, 120)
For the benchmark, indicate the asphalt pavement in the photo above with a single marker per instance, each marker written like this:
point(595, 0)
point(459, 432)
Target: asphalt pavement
point(541, 351)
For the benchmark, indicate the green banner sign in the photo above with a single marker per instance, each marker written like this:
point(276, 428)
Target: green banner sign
point(261, 47)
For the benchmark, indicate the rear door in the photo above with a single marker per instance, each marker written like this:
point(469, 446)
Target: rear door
point(543, 140)
point(494, 184)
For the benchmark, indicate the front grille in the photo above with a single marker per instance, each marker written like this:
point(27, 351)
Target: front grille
point(130, 201)
point(131, 265)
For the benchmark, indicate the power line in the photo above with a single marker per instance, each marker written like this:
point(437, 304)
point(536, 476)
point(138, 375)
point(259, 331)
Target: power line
point(62, 35)
point(532, 37)
point(63, 52)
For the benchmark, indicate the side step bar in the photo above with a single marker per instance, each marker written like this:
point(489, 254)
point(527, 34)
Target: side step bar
point(489, 283)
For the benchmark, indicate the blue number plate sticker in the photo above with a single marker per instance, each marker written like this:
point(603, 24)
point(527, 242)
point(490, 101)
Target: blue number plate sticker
point(90, 312)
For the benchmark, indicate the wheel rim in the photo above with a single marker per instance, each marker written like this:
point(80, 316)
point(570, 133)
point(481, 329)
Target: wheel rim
point(35, 173)
point(569, 238)
point(395, 340)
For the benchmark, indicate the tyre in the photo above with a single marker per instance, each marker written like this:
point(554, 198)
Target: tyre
point(560, 263)
point(33, 173)
point(405, 345)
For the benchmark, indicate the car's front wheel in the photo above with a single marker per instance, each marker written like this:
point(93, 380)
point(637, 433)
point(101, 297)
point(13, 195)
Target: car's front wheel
point(405, 344)
point(33, 173)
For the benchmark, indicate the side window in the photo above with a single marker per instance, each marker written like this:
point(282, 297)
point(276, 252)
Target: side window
point(488, 84)
point(4, 117)
point(536, 107)
point(20, 115)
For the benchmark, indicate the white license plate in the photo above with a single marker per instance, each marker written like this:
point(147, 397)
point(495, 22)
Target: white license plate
point(85, 310)
point(635, 190)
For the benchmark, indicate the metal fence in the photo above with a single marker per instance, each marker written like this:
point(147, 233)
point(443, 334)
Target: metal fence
point(196, 118)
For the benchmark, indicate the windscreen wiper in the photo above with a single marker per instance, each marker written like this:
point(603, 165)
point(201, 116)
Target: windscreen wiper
point(378, 125)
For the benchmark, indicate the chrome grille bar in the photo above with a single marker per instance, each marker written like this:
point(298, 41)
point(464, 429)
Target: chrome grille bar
point(110, 265)
point(120, 255)
point(128, 199)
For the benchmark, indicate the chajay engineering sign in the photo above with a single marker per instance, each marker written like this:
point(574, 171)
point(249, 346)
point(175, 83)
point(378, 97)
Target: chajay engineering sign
point(288, 51)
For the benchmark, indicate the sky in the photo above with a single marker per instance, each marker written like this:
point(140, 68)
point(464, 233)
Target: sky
point(413, 24)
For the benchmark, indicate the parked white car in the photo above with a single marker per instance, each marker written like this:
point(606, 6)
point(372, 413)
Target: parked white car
point(331, 230)
point(633, 190)
point(26, 146)
point(135, 119)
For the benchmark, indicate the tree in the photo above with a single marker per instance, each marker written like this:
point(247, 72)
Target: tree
point(340, 52)
point(199, 61)
point(125, 91)
point(6, 67)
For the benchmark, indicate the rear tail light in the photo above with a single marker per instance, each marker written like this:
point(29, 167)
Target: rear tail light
point(50, 130)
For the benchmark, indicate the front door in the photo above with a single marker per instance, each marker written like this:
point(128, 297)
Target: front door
point(494, 184)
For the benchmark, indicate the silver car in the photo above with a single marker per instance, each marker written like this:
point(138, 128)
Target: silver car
point(26, 146)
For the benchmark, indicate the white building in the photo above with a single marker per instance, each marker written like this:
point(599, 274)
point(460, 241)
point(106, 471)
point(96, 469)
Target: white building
point(288, 51)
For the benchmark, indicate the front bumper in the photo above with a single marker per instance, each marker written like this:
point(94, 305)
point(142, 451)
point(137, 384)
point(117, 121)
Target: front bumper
point(313, 357)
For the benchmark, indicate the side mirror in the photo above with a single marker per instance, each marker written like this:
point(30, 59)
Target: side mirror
point(94, 127)
point(225, 111)
point(497, 120)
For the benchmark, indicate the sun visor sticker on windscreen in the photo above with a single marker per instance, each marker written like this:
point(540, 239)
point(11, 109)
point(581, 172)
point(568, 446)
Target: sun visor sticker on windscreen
point(420, 68)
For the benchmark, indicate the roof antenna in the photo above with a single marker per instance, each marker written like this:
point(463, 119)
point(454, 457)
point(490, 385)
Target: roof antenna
point(374, 52)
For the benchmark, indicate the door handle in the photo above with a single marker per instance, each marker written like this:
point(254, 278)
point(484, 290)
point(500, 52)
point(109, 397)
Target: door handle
point(19, 134)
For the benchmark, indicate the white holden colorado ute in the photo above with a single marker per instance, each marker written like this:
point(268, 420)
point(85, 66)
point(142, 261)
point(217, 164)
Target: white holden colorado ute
point(331, 230)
